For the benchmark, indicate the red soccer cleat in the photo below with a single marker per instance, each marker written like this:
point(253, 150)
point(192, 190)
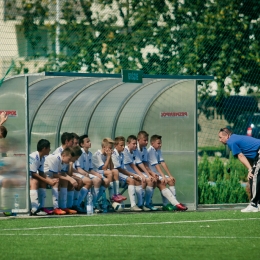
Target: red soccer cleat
point(59, 212)
point(181, 207)
point(121, 197)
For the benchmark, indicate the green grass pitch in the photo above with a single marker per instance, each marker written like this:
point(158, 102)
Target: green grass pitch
point(210, 235)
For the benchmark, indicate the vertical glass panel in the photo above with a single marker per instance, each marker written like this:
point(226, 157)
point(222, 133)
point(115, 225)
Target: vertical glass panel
point(172, 115)
point(13, 155)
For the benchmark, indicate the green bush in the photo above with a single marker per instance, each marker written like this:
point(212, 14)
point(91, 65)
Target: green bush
point(227, 188)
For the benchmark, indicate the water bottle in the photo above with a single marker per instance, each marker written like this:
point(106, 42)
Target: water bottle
point(89, 204)
point(16, 203)
point(104, 202)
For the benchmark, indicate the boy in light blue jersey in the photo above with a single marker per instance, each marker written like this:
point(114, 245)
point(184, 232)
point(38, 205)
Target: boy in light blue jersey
point(134, 164)
point(102, 163)
point(155, 161)
point(125, 176)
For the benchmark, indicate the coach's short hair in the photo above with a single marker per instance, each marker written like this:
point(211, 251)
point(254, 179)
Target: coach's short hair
point(155, 137)
point(119, 139)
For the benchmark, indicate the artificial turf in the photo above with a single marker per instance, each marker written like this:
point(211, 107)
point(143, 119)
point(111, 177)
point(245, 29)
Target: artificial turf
point(210, 235)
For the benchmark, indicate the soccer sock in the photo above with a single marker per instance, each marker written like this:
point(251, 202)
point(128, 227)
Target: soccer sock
point(4, 197)
point(95, 192)
point(164, 200)
point(139, 193)
point(34, 200)
point(101, 190)
point(63, 198)
point(55, 197)
point(148, 195)
point(41, 197)
point(83, 193)
point(116, 187)
point(131, 193)
point(70, 196)
point(76, 198)
point(173, 191)
point(167, 194)
point(111, 191)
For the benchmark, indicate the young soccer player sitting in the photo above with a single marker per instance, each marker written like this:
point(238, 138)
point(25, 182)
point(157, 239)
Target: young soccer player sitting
point(36, 161)
point(102, 163)
point(156, 160)
point(125, 176)
point(133, 163)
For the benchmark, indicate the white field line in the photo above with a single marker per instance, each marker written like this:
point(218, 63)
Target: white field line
point(129, 224)
point(131, 236)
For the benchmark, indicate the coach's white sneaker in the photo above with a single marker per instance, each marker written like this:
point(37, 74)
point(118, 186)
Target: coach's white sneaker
point(250, 208)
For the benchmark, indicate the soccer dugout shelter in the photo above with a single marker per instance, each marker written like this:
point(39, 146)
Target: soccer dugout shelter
point(44, 105)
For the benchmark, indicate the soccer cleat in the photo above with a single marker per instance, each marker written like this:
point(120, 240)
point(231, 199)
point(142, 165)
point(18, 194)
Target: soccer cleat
point(59, 212)
point(135, 208)
point(181, 207)
point(40, 213)
point(98, 210)
point(69, 211)
point(121, 197)
point(117, 198)
point(146, 208)
point(250, 208)
point(152, 207)
point(49, 212)
point(168, 207)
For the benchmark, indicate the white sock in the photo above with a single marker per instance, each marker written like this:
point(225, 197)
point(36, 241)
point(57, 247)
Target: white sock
point(167, 194)
point(55, 197)
point(41, 197)
point(83, 193)
point(34, 200)
point(139, 193)
point(4, 197)
point(131, 193)
point(173, 191)
point(148, 195)
point(76, 198)
point(116, 187)
point(111, 190)
point(95, 192)
point(70, 195)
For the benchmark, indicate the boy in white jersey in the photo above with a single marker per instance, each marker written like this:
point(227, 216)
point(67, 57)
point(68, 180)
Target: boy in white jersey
point(125, 176)
point(155, 161)
point(134, 164)
point(56, 166)
point(102, 163)
point(36, 160)
point(84, 166)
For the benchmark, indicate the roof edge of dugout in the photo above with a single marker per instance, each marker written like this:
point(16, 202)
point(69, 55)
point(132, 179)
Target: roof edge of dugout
point(77, 74)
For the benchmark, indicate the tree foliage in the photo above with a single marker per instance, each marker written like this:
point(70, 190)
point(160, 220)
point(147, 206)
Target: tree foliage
point(205, 37)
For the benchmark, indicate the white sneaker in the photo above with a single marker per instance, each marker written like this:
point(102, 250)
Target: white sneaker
point(250, 208)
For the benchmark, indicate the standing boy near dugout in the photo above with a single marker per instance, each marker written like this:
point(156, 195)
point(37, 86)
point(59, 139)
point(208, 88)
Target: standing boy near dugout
point(156, 160)
point(102, 163)
point(125, 176)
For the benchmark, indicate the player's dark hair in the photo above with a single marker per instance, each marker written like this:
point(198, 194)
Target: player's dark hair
point(75, 136)
point(142, 133)
point(43, 143)
point(68, 151)
point(81, 139)
point(119, 139)
point(3, 131)
point(130, 138)
point(66, 137)
point(155, 137)
point(77, 150)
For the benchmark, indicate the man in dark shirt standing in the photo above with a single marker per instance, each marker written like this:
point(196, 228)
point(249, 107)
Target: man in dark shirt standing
point(247, 150)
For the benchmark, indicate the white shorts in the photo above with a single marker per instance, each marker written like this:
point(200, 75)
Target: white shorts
point(160, 176)
point(78, 175)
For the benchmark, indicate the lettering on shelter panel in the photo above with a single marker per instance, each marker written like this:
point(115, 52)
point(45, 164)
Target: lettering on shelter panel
point(173, 114)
